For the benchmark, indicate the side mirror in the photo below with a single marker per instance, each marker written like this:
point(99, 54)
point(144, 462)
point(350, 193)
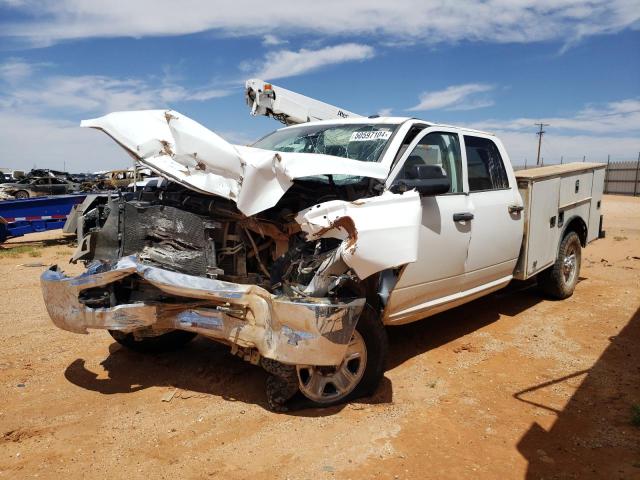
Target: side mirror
point(428, 180)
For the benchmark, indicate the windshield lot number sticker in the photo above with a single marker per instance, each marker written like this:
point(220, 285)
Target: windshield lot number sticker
point(370, 135)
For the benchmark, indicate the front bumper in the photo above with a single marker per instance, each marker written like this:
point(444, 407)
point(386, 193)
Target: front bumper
point(312, 331)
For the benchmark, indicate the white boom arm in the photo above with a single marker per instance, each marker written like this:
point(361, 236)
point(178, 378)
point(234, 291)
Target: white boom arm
point(289, 107)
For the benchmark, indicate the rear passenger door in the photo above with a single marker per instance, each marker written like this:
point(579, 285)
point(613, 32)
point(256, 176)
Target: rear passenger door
point(42, 186)
point(494, 205)
point(58, 187)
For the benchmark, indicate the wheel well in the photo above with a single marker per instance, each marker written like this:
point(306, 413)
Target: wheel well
point(576, 224)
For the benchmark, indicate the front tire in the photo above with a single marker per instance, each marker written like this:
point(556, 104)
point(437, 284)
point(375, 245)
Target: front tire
point(360, 372)
point(560, 280)
point(164, 342)
point(20, 194)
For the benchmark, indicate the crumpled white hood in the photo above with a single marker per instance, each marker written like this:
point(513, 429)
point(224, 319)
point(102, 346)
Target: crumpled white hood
point(189, 153)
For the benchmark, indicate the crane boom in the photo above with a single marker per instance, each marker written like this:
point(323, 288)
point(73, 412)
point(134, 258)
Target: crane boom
point(289, 107)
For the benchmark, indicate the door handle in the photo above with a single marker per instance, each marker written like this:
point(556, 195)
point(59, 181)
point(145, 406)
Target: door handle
point(462, 217)
point(515, 208)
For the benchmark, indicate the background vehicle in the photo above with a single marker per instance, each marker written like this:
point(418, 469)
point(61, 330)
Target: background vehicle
point(37, 187)
point(83, 177)
point(121, 179)
point(299, 250)
point(11, 175)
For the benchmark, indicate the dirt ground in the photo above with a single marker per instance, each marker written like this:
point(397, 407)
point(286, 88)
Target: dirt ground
point(509, 386)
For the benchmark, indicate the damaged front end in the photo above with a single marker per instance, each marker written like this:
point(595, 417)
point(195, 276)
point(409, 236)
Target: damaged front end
point(134, 297)
point(264, 251)
point(253, 283)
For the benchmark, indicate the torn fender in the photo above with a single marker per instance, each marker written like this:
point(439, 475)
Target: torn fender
point(190, 154)
point(378, 233)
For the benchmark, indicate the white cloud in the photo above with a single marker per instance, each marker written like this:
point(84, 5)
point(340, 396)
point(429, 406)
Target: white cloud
point(29, 140)
point(613, 118)
point(34, 109)
point(237, 137)
point(385, 112)
point(90, 93)
point(270, 40)
point(286, 63)
point(571, 148)
point(400, 20)
point(455, 97)
point(15, 69)
point(593, 132)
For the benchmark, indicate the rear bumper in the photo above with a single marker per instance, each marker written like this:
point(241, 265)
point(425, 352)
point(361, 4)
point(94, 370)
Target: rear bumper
point(313, 331)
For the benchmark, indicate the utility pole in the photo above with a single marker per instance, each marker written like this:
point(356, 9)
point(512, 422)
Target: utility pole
point(540, 133)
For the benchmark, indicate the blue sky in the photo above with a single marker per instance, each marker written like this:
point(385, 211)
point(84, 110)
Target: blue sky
point(497, 65)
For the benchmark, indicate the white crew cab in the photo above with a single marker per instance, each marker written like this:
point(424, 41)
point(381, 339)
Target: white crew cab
point(299, 250)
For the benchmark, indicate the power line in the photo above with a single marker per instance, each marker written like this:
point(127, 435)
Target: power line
point(540, 133)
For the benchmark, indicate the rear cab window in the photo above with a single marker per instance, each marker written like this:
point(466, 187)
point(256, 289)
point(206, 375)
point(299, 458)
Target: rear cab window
point(484, 165)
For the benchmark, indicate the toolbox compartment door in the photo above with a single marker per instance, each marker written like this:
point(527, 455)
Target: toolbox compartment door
point(596, 203)
point(575, 189)
point(540, 242)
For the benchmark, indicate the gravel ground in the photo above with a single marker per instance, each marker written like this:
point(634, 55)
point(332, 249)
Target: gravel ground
point(508, 386)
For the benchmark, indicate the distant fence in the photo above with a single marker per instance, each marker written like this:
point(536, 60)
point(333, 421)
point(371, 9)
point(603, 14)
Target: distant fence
point(621, 177)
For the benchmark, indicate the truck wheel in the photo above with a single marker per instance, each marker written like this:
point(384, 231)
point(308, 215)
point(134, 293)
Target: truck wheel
point(164, 342)
point(360, 372)
point(559, 280)
point(21, 194)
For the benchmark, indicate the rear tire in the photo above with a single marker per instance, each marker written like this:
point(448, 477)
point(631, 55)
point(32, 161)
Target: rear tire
point(165, 342)
point(370, 335)
point(21, 194)
point(559, 281)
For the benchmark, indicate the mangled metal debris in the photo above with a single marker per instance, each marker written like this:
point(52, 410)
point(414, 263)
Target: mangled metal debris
point(286, 329)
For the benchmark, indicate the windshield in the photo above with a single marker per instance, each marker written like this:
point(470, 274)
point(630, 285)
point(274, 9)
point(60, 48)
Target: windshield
point(363, 142)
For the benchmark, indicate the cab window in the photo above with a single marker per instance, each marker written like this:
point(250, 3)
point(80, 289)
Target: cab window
point(438, 148)
point(484, 164)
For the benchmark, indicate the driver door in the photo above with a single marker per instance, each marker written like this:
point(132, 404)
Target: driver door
point(426, 285)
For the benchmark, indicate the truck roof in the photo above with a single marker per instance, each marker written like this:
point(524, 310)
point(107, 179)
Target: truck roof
point(384, 120)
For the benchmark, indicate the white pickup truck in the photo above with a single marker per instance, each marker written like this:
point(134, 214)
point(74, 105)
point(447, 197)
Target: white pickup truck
point(299, 250)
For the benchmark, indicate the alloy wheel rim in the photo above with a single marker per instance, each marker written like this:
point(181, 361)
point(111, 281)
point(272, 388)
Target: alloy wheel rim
point(569, 266)
point(330, 384)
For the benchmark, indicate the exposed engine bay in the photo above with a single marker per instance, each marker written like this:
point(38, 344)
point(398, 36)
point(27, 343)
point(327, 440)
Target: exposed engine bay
point(183, 231)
